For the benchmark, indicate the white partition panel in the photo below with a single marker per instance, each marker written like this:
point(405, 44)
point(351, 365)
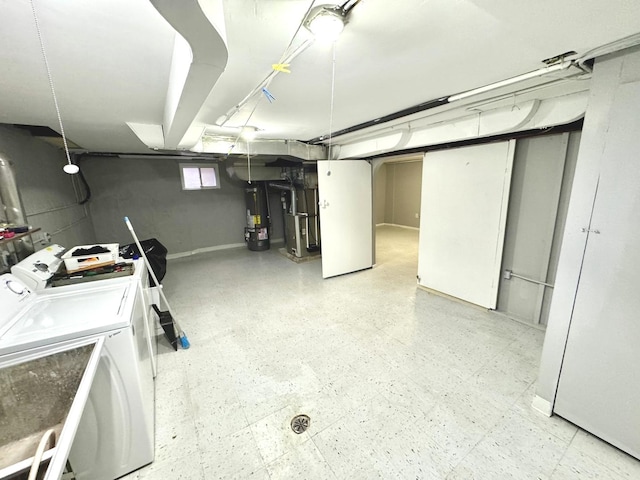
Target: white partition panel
point(465, 192)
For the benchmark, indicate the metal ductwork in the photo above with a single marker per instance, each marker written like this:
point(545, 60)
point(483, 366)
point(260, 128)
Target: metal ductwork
point(257, 171)
point(273, 148)
point(263, 160)
point(299, 198)
point(12, 210)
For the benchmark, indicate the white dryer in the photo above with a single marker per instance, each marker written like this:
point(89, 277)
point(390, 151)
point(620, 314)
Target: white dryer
point(116, 432)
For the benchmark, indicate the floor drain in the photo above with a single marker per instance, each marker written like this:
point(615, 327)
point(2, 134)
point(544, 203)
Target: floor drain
point(300, 423)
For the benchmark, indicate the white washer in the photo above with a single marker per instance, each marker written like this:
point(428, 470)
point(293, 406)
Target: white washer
point(147, 296)
point(116, 432)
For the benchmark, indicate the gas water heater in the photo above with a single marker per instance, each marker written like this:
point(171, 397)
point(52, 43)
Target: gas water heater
point(256, 233)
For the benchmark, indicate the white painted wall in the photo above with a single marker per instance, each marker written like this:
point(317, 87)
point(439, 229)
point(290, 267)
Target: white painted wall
point(609, 74)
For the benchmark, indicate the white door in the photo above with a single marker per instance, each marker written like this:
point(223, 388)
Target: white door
point(346, 222)
point(599, 388)
point(465, 192)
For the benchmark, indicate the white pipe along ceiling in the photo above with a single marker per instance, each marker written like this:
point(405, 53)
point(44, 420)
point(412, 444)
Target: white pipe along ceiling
point(140, 76)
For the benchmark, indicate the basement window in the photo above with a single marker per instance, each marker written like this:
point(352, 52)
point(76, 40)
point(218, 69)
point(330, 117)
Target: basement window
point(199, 176)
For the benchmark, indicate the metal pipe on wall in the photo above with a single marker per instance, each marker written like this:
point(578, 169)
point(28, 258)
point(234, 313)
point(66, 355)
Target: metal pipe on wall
point(12, 206)
point(71, 225)
point(54, 209)
point(294, 211)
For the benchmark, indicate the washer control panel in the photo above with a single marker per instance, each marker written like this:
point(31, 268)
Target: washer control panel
point(36, 270)
point(14, 296)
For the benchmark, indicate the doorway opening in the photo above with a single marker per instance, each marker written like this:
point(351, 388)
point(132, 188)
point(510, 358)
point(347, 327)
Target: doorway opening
point(397, 186)
point(536, 209)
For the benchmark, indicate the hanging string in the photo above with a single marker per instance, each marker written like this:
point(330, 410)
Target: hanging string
point(246, 123)
point(333, 87)
point(288, 55)
point(249, 160)
point(53, 91)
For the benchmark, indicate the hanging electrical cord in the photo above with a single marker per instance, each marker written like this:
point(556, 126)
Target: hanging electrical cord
point(286, 58)
point(86, 187)
point(248, 143)
point(349, 4)
point(69, 168)
point(286, 50)
point(249, 160)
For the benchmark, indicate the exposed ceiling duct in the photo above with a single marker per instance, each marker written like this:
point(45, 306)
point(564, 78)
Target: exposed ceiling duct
point(272, 148)
point(199, 58)
point(118, 67)
point(561, 68)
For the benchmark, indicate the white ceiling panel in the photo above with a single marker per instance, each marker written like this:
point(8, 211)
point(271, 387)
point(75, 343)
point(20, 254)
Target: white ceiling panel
point(111, 60)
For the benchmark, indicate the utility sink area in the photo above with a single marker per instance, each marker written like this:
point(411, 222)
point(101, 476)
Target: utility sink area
point(42, 390)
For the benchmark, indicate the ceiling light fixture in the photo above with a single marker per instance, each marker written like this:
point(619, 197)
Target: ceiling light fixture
point(249, 133)
point(326, 22)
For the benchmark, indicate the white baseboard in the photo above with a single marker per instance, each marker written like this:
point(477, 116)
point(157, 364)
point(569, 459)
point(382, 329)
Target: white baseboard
point(396, 225)
point(173, 256)
point(541, 405)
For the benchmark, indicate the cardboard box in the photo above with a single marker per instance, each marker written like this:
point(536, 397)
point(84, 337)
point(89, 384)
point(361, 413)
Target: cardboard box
point(87, 262)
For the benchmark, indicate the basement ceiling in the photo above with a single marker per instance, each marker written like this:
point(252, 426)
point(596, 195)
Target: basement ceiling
point(111, 60)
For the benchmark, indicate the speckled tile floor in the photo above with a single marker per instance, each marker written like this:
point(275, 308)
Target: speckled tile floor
point(399, 383)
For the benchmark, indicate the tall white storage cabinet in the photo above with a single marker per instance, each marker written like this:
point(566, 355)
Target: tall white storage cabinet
point(599, 387)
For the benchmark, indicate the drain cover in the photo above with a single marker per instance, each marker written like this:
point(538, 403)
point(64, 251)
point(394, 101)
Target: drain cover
point(300, 423)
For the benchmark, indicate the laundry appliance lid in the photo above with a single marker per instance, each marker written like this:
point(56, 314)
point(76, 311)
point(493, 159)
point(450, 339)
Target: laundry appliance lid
point(54, 318)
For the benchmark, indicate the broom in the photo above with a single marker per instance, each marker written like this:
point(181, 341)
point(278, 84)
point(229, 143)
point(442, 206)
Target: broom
point(184, 342)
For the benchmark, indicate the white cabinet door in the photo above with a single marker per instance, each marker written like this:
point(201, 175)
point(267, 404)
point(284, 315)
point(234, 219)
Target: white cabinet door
point(599, 387)
point(346, 222)
point(465, 192)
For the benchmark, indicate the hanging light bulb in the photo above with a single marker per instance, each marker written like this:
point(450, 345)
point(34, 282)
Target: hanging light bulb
point(71, 168)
